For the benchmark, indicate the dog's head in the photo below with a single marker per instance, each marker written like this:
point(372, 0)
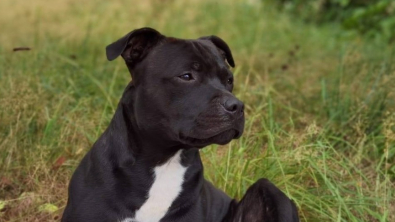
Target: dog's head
point(181, 90)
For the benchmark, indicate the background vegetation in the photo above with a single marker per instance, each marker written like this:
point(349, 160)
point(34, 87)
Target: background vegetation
point(319, 99)
point(372, 18)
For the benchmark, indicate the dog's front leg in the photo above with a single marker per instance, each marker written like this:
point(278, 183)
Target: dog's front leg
point(263, 202)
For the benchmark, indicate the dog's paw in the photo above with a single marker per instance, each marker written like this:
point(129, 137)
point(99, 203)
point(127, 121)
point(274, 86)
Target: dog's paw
point(263, 202)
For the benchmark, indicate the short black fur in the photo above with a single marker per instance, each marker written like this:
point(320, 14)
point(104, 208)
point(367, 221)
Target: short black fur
point(160, 112)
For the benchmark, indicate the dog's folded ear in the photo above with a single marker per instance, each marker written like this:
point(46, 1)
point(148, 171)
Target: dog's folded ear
point(134, 45)
point(221, 44)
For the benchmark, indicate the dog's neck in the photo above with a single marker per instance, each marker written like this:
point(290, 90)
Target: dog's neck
point(123, 143)
point(125, 137)
point(136, 166)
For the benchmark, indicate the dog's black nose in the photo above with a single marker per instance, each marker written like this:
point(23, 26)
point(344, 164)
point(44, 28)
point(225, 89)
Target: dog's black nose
point(233, 105)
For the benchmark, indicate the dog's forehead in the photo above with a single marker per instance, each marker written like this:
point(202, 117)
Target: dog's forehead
point(210, 53)
point(193, 49)
point(209, 48)
point(206, 44)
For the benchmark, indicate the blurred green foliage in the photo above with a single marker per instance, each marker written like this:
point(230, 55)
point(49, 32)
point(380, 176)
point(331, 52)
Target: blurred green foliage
point(373, 18)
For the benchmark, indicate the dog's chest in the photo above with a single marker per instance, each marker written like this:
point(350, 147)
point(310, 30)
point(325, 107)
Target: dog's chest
point(167, 185)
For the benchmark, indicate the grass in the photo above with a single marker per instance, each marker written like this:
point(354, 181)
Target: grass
point(320, 119)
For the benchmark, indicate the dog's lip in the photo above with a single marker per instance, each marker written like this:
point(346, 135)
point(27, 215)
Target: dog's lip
point(224, 126)
point(206, 141)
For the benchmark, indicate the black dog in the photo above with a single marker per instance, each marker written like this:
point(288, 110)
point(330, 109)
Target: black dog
point(146, 166)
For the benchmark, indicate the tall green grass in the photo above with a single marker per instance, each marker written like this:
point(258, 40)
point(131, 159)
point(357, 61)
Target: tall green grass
point(320, 119)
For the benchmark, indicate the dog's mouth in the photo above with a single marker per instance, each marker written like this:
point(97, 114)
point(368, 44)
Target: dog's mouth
point(221, 138)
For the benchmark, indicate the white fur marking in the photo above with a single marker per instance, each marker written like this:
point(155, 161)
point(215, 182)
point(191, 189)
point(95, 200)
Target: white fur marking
point(165, 189)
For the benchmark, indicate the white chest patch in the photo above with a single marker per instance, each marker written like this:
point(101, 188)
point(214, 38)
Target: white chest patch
point(167, 185)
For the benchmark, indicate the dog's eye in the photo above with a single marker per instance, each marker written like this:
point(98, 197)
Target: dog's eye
point(186, 76)
point(230, 81)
